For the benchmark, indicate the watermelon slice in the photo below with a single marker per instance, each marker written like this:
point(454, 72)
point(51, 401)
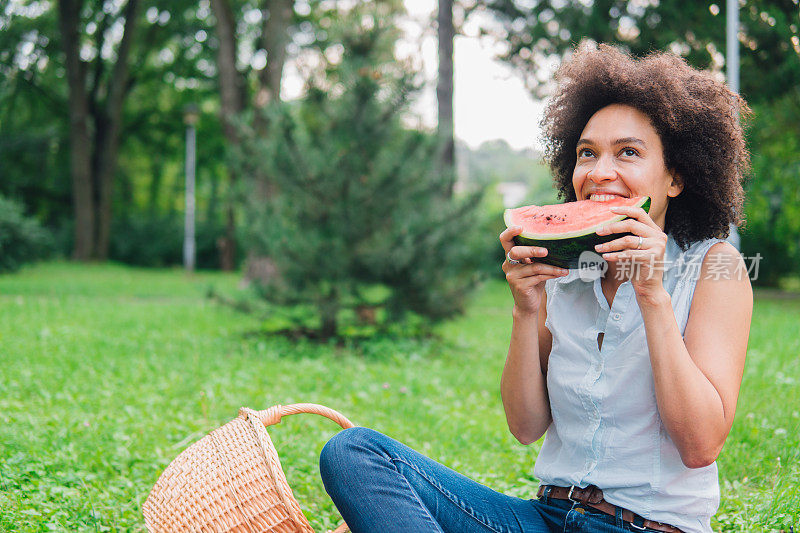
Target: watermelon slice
point(568, 229)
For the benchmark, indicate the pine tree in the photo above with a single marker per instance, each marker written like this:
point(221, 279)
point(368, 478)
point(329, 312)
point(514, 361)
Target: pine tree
point(359, 202)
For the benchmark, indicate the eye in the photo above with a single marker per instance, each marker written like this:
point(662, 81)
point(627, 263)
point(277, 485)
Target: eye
point(585, 152)
point(629, 152)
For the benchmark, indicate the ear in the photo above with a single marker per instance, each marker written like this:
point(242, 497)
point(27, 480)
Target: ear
point(676, 185)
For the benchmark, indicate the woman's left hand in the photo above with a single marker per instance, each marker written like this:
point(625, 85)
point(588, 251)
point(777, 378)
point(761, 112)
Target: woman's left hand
point(641, 255)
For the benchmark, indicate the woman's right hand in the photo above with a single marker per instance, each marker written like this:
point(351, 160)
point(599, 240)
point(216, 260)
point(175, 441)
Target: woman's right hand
point(526, 279)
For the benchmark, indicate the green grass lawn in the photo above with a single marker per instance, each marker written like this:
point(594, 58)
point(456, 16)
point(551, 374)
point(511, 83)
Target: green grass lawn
point(108, 372)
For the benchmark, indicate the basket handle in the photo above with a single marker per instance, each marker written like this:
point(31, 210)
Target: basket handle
point(273, 415)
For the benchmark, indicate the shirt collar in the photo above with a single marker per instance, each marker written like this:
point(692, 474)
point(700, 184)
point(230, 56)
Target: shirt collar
point(672, 254)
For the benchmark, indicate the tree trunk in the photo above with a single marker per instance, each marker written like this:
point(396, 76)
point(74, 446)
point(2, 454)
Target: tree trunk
point(107, 145)
point(277, 15)
point(80, 153)
point(93, 155)
point(230, 83)
point(230, 86)
point(444, 93)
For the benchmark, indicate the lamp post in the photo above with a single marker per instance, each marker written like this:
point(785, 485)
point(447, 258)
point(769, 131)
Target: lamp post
point(732, 65)
point(732, 44)
point(190, 116)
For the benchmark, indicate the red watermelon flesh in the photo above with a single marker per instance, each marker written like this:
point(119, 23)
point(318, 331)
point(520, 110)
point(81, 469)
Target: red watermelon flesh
point(571, 219)
point(567, 230)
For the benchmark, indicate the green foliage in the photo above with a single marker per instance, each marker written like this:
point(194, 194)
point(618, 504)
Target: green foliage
point(155, 239)
point(109, 372)
point(172, 64)
point(33, 106)
point(22, 238)
point(773, 193)
point(358, 202)
point(489, 225)
point(539, 32)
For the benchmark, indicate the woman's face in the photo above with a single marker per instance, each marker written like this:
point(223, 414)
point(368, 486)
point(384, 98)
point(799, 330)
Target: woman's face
point(620, 154)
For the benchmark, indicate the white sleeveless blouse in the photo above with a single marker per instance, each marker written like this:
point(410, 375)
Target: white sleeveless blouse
point(606, 430)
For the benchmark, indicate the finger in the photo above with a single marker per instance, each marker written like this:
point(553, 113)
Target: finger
point(628, 242)
point(510, 263)
point(530, 282)
point(507, 237)
point(519, 253)
point(534, 269)
point(629, 225)
point(636, 213)
point(518, 275)
point(523, 286)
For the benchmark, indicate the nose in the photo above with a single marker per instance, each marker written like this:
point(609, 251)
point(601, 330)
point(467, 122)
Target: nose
point(603, 170)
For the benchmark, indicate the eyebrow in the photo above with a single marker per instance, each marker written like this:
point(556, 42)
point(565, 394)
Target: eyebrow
point(624, 140)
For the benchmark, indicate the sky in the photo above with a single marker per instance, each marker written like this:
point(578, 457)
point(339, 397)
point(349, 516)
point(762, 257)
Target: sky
point(490, 101)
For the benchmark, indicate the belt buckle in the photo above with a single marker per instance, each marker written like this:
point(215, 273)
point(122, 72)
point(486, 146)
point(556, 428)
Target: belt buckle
point(634, 526)
point(569, 496)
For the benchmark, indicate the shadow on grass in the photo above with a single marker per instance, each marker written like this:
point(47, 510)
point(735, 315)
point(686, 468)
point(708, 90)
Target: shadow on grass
point(307, 343)
point(299, 326)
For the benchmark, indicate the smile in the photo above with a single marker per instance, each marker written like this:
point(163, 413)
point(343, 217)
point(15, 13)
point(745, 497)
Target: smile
point(605, 197)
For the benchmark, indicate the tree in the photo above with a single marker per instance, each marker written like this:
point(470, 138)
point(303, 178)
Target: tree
point(538, 34)
point(168, 67)
point(231, 90)
point(359, 202)
point(772, 228)
point(35, 171)
point(94, 148)
point(444, 91)
point(236, 86)
point(278, 16)
point(171, 63)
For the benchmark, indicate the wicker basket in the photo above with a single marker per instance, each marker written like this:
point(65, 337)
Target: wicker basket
point(231, 480)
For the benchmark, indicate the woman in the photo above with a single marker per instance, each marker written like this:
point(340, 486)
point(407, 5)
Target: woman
point(633, 377)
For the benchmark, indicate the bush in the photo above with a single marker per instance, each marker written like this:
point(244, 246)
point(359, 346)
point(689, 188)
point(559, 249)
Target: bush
point(22, 238)
point(156, 240)
point(773, 195)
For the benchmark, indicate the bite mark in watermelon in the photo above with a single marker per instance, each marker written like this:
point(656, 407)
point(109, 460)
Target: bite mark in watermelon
point(568, 229)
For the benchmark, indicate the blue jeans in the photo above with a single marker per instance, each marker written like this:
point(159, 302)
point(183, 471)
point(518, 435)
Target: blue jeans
point(382, 486)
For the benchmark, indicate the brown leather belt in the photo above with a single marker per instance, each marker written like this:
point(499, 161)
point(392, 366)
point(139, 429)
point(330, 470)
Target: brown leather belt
point(592, 497)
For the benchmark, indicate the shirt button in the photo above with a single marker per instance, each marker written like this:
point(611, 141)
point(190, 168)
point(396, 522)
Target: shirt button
point(617, 316)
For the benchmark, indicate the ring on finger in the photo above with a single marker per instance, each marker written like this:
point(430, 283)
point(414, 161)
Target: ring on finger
point(512, 261)
point(639, 246)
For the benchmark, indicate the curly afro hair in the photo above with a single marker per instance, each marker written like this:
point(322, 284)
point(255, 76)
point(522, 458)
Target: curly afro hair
point(695, 115)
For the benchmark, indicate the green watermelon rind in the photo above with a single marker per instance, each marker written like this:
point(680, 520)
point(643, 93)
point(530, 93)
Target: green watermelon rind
point(564, 250)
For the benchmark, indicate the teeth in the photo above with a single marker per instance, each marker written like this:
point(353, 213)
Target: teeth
point(603, 197)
